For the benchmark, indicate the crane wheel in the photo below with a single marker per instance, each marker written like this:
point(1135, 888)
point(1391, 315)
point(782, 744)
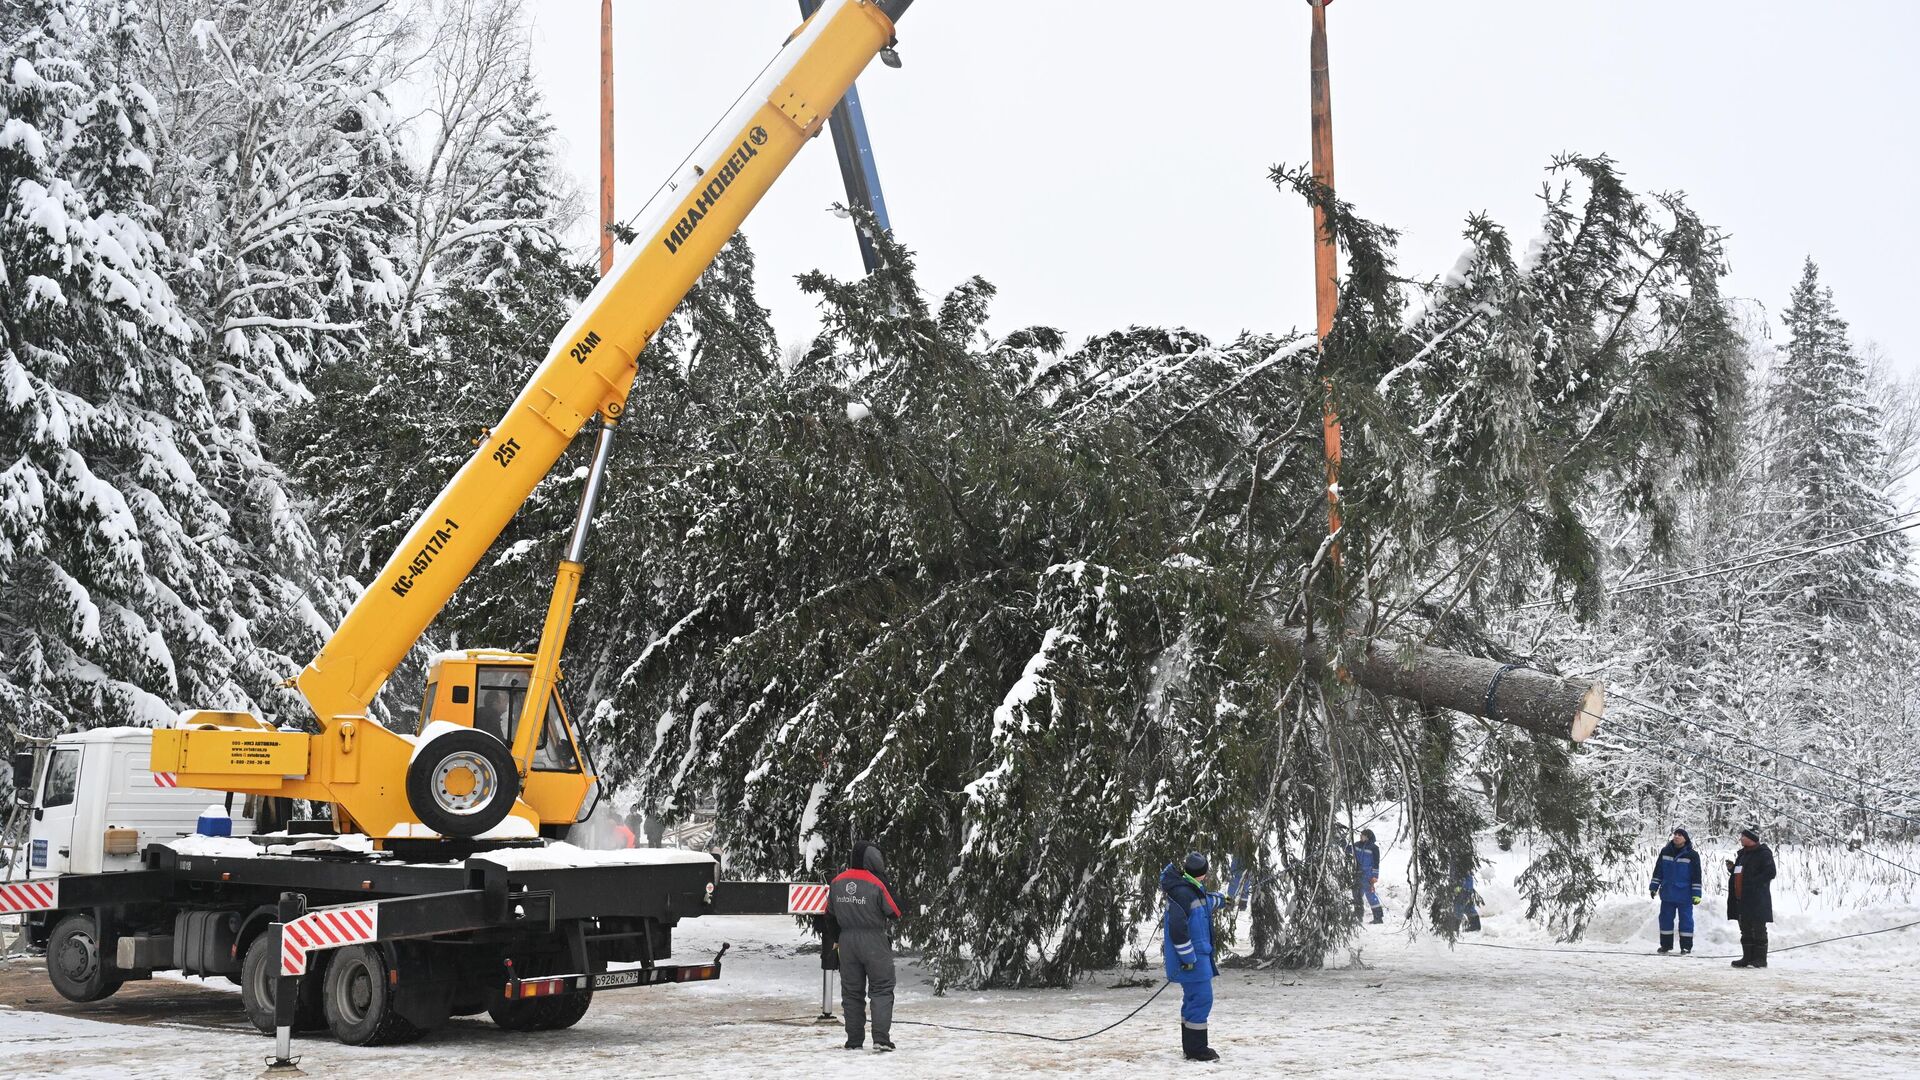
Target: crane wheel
point(75, 964)
point(462, 783)
point(359, 999)
point(260, 982)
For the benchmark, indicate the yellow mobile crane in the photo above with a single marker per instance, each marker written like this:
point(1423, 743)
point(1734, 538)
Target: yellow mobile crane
point(494, 740)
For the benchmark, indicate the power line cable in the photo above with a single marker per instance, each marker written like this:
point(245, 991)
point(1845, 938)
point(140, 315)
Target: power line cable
point(1828, 795)
point(1775, 807)
point(1758, 746)
point(1801, 553)
point(1636, 579)
point(1822, 830)
point(1701, 956)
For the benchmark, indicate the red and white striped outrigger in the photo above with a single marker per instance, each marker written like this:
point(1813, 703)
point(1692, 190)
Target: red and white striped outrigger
point(326, 928)
point(26, 896)
point(803, 899)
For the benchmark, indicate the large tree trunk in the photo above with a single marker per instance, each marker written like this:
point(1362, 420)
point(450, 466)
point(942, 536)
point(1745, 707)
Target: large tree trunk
point(1541, 703)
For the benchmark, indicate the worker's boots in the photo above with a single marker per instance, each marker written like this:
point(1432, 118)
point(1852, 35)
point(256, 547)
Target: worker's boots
point(1193, 1040)
point(1379, 916)
point(1666, 943)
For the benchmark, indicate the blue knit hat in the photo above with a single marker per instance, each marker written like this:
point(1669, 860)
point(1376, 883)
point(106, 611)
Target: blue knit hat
point(1195, 864)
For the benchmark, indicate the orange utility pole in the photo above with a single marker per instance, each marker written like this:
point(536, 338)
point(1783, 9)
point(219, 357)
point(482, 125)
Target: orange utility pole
point(1326, 279)
point(606, 136)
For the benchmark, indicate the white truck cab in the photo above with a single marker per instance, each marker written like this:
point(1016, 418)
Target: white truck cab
point(96, 804)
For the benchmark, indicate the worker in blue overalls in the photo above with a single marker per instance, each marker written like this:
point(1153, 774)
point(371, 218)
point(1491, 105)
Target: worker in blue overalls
point(1676, 881)
point(1188, 947)
point(1366, 876)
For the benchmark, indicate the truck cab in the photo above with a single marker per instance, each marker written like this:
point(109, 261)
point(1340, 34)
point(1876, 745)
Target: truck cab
point(486, 690)
point(95, 804)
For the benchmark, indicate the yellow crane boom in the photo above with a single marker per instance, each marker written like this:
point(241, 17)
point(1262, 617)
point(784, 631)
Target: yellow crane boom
point(375, 777)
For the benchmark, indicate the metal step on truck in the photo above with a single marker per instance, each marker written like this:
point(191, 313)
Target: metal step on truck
point(116, 880)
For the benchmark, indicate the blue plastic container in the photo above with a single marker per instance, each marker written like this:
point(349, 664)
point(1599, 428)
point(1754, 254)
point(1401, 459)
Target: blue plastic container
point(214, 822)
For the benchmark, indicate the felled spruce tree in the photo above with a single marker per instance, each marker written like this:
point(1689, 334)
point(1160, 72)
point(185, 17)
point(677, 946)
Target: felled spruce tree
point(1006, 607)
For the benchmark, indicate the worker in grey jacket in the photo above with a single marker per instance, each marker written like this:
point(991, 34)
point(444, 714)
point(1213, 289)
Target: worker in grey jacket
point(864, 907)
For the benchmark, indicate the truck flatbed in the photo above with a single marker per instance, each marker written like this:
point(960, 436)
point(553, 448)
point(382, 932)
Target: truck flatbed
point(502, 930)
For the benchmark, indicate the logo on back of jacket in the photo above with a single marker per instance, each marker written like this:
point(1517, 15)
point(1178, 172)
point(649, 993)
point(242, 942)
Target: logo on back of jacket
point(850, 889)
point(710, 195)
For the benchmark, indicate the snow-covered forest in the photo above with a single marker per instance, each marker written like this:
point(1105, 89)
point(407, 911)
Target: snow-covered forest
point(1000, 599)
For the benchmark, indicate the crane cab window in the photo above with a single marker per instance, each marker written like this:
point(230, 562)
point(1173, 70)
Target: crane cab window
point(502, 696)
point(63, 778)
point(426, 707)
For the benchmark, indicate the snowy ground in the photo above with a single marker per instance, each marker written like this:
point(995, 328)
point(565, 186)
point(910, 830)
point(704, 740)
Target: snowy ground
point(1418, 1009)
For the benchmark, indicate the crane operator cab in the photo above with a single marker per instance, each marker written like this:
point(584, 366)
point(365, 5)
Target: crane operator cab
point(486, 690)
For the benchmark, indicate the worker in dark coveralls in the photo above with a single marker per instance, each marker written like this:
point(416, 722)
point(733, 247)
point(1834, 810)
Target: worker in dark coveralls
point(1188, 948)
point(863, 906)
point(1750, 897)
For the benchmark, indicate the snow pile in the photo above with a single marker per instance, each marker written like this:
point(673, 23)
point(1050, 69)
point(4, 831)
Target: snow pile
point(227, 847)
point(560, 856)
point(1821, 892)
point(351, 843)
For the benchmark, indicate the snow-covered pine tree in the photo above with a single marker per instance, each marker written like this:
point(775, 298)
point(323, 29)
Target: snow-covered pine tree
point(283, 185)
point(1804, 656)
point(484, 168)
point(497, 305)
point(147, 556)
point(1828, 459)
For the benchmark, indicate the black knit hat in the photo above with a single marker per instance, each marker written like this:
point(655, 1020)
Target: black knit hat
point(1753, 834)
point(1195, 864)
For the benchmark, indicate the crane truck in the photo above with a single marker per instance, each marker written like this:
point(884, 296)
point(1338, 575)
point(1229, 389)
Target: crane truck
point(437, 884)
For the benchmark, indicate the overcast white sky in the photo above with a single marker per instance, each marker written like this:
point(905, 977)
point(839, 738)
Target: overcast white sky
point(1104, 163)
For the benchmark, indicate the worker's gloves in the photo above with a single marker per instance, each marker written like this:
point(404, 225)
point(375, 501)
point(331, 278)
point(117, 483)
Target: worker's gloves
point(1186, 967)
point(1696, 901)
point(1652, 892)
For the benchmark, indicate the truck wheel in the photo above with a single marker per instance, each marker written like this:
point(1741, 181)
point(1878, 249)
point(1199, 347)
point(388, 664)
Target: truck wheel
point(74, 962)
point(462, 783)
point(260, 982)
point(526, 1014)
point(359, 999)
point(567, 1011)
point(541, 1013)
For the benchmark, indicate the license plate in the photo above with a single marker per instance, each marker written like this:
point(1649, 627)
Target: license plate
point(610, 979)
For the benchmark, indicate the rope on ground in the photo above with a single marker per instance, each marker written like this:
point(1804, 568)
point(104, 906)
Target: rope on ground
point(1032, 1035)
point(1138, 1009)
point(1703, 956)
